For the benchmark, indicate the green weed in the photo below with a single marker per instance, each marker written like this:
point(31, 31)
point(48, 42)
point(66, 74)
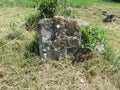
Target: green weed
point(92, 36)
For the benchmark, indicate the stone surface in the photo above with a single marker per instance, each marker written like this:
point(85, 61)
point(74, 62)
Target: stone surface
point(58, 37)
point(100, 49)
point(81, 22)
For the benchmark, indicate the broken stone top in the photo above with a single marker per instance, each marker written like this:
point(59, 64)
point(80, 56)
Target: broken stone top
point(58, 37)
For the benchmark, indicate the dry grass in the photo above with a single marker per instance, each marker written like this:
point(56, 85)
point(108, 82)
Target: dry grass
point(19, 70)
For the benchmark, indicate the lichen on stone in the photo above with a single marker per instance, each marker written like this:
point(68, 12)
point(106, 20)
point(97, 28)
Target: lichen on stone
point(58, 37)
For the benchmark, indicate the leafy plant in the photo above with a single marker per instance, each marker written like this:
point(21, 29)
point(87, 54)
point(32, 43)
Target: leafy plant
point(47, 8)
point(92, 36)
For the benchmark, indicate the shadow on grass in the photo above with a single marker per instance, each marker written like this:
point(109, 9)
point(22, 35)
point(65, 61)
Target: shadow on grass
point(32, 48)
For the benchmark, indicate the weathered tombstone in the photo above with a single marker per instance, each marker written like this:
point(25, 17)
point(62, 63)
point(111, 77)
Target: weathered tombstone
point(58, 37)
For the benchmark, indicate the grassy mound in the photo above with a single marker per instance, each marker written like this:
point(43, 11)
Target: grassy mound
point(21, 68)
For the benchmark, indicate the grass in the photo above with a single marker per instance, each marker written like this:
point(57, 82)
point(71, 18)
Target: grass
point(78, 3)
point(18, 3)
point(21, 69)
